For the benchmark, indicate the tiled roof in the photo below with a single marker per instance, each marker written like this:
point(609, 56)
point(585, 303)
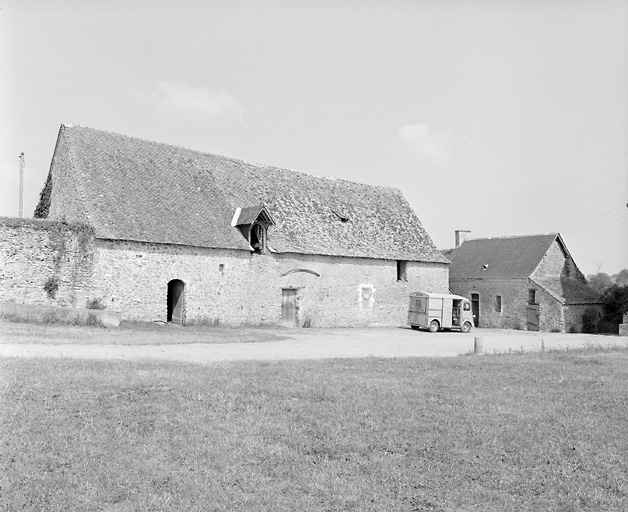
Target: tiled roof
point(499, 258)
point(135, 189)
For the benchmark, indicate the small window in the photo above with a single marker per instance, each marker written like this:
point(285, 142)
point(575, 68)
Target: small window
point(498, 303)
point(531, 296)
point(419, 305)
point(258, 238)
point(401, 271)
point(467, 306)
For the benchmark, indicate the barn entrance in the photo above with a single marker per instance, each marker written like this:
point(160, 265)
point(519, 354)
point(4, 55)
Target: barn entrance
point(475, 308)
point(176, 298)
point(532, 313)
point(289, 307)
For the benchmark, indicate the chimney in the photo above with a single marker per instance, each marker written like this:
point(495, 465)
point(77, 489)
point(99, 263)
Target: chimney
point(461, 236)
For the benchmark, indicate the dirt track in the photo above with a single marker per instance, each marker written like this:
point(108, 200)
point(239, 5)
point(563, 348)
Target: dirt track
point(324, 344)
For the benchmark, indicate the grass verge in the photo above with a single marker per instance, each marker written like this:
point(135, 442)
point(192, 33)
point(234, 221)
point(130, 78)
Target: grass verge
point(133, 333)
point(525, 433)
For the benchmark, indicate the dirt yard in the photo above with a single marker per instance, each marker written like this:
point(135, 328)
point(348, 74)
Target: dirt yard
point(212, 345)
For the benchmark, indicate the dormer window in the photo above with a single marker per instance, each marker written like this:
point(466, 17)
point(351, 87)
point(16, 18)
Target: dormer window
point(253, 222)
point(258, 237)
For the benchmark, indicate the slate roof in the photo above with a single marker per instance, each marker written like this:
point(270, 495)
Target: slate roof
point(505, 257)
point(516, 257)
point(573, 290)
point(140, 190)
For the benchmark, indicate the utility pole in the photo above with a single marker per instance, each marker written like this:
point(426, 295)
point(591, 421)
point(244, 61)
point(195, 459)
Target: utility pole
point(21, 157)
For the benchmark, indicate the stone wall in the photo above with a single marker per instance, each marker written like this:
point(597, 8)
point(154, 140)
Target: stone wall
point(574, 314)
point(514, 302)
point(45, 262)
point(237, 287)
point(53, 263)
point(514, 298)
point(551, 313)
point(553, 264)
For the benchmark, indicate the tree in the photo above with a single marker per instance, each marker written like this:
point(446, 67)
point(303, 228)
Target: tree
point(600, 282)
point(615, 303)
point(621, 278)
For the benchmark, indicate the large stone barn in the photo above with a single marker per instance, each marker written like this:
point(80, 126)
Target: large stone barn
point(160, 232)
point(523, 282)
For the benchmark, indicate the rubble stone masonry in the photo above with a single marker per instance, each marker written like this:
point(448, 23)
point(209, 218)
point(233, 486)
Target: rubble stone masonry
point(45, 262)
point(237, 287)
point(53, 263)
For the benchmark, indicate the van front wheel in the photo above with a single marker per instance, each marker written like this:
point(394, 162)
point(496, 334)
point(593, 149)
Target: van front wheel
point(433, 326)
point(466, 327)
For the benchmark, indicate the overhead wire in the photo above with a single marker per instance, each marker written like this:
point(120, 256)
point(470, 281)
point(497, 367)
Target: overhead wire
point(601, 222)
point(598, 228)
point(599, 219)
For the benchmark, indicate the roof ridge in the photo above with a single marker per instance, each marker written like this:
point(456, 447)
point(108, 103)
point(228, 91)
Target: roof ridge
point(510, 236)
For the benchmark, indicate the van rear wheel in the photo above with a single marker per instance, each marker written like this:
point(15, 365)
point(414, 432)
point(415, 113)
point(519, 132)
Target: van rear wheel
point(433, 326)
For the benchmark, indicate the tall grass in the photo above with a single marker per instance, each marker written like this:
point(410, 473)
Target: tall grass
point(526, 433)
point(52, 318)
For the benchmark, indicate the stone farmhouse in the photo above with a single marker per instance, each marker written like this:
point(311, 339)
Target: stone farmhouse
point(522, 282)
point(163, 233)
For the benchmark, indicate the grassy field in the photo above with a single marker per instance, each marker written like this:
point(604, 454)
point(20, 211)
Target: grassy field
point(527, 432)
point(134, 333)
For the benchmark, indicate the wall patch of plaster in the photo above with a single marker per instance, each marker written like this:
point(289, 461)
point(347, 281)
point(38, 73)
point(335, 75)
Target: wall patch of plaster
point(366, 295)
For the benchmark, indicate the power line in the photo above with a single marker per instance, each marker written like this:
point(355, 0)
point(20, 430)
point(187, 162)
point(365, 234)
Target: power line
point(584, 235)
point(597, 223)
point(595, 227)
point(598, 219)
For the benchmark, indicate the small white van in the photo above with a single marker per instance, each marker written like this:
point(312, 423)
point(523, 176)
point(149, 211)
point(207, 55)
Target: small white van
point(435, 311)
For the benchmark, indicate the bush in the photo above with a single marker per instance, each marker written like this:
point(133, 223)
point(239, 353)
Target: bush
point(307, 322)
point(51, 286)
point(93, 321)
point(615, 303)
point(95, 303)
point(590, 321)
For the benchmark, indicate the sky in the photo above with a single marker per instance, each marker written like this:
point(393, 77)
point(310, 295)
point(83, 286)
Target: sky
point(500, 117)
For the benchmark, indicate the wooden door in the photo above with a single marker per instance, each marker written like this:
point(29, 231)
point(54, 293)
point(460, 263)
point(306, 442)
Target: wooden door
point(288, 307)
point(533, 317)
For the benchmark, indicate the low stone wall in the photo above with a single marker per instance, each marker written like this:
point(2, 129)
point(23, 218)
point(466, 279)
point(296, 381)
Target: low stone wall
point(45, 262)
point(64, 315)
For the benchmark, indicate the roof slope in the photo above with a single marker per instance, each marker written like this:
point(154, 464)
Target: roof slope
point(499, 258)
point(134, 189)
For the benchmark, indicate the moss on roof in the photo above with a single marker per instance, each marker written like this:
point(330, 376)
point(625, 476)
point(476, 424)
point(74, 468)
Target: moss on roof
point(135, 189)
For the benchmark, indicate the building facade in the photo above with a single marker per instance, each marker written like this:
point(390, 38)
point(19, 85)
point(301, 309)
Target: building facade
point(163, 233)
point(525, 282)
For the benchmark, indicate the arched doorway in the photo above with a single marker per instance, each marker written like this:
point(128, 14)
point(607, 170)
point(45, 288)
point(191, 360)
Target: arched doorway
point(176, 298)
